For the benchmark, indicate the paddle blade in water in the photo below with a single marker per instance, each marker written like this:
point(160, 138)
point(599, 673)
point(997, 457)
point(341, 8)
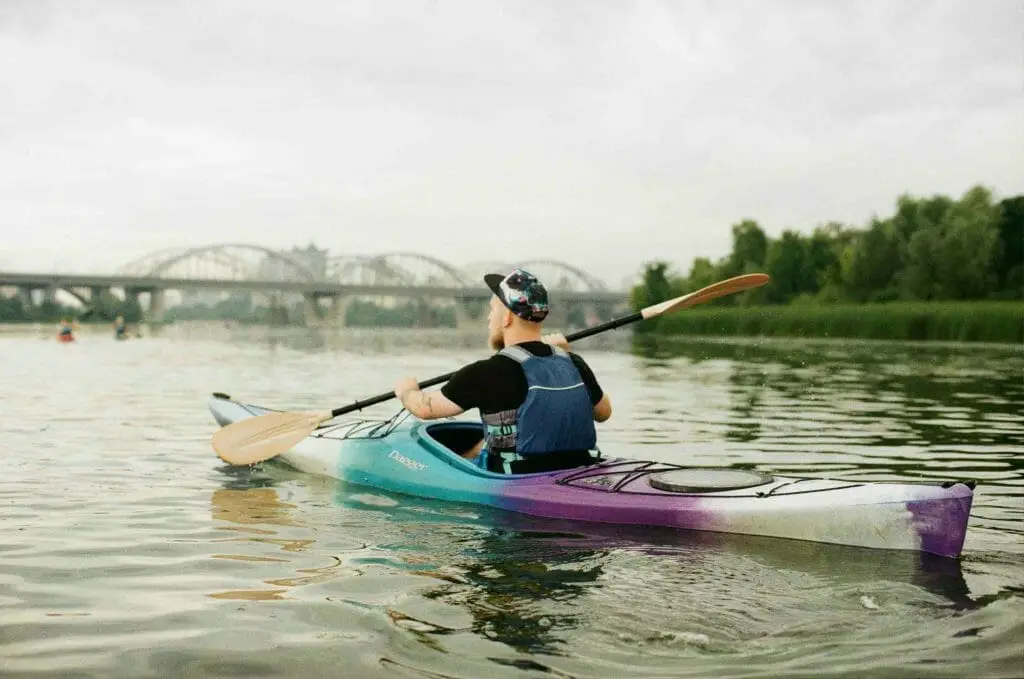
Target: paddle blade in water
point(261, 438)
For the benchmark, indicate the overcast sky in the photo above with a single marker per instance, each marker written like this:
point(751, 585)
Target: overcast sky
point(601, 133)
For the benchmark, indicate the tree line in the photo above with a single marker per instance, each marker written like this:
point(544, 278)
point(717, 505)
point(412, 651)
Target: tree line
point(13, 309)
point(242, 308)
point(932, 248)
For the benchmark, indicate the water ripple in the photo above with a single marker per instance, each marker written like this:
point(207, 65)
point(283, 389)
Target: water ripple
point(129, 550)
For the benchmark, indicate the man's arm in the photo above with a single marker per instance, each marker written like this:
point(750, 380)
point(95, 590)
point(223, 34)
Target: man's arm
point(603, 409)
point(423, 404)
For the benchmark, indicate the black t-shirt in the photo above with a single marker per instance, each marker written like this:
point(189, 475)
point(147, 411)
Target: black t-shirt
point(498, 383)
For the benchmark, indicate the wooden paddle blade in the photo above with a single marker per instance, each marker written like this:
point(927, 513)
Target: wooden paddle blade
point(262, 437)
point(714, 291)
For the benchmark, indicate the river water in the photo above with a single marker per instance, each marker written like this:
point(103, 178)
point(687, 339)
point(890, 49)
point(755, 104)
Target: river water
point(128, 549)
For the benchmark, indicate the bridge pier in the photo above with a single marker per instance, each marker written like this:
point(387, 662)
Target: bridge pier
point(155, 313)
point(278, 311)
point(131, 296)
point(339, 310)
point(463, 320)
point(470, 312)
point(24, 294)
point(311, 312)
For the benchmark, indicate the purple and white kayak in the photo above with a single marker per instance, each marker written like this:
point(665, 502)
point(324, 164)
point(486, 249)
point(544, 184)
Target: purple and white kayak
point(419, 458)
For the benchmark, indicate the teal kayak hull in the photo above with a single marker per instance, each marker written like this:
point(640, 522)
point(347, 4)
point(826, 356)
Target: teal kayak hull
point(415, 457)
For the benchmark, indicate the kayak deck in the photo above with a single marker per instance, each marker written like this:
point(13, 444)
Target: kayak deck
point(417, 458)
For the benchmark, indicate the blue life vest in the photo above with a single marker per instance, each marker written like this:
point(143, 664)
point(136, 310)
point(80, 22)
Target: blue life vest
point(556, 415)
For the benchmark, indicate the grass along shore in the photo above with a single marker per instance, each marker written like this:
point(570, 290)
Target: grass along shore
point(945, 321)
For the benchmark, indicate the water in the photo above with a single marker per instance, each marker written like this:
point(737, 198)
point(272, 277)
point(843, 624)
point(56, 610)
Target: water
point(127, 549)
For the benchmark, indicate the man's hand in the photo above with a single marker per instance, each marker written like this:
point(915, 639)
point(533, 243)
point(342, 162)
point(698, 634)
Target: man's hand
point(406, 386)
point(556, 339)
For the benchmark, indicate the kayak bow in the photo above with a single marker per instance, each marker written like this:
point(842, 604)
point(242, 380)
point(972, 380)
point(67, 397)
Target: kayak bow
point(415, 457)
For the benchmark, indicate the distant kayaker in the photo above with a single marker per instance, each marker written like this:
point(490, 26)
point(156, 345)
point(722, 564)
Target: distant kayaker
point(538, 401)
point(120, 328)
point(66, 330)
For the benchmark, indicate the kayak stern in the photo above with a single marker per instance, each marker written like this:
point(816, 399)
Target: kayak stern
point(941, 522)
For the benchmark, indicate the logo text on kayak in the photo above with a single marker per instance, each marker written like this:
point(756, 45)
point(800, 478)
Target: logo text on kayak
point(402, 459)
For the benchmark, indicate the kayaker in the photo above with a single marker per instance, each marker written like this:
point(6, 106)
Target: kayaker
point(66, 330)
point(120, 328)
point(538, 401)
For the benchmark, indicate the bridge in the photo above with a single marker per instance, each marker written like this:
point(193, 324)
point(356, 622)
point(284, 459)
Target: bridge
point(326, 284)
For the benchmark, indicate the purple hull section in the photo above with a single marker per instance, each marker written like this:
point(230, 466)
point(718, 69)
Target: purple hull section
point(942, 524)
point(653, 508)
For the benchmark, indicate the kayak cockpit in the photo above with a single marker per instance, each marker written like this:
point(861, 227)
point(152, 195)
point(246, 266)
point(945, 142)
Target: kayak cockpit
point(457, 436)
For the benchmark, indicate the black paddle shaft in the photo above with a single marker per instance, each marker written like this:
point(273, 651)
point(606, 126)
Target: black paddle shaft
point(380, 398)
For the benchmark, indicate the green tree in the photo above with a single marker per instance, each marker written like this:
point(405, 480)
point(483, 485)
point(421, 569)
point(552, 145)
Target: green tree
point(969, 247)
point(914, 214)
point(787, 263)
point(749, 249)
point(1009, 267)
point(702, 273)
point(871, 262)
point(11, 309)
point(931, 248)
point(828, 243)
point(655, 287)
point(921, 272)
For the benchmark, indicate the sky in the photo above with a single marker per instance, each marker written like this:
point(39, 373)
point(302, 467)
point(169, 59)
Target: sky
point(604, 134)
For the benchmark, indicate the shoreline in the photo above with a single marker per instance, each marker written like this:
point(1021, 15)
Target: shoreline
point(992, 322)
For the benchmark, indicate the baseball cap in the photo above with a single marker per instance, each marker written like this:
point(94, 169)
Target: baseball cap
point(522, 293)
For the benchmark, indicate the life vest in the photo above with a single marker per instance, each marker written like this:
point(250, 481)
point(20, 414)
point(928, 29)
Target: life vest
point(556, 416)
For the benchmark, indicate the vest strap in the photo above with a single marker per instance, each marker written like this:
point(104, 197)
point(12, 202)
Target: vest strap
point(522, 355)
point(516, 353)
point(507, 459)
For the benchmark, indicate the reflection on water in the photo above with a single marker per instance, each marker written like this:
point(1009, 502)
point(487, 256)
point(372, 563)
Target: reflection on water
point(539, 586)
point(520, 580)
point(129, 550)
point(249, 508)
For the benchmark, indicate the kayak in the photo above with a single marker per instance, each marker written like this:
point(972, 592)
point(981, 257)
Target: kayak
point(65, 338)
point(418, 458)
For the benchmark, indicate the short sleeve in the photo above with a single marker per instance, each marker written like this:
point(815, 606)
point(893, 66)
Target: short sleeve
point(491, 385)
point(596, 393)
point(466, 387)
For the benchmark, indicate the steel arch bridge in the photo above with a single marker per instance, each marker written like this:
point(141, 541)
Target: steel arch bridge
point(228, 261)
point(406, 269)
point(243, 261)
point(316, 285)
point(555, 275)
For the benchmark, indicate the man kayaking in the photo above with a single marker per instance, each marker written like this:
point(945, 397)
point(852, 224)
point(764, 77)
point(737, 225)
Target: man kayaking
point(66, 330)
point(538, 401)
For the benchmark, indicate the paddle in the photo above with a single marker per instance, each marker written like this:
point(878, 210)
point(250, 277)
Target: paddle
point(262, 437)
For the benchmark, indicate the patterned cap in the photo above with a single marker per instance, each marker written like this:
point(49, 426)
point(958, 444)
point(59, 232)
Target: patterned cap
point(522, 293)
